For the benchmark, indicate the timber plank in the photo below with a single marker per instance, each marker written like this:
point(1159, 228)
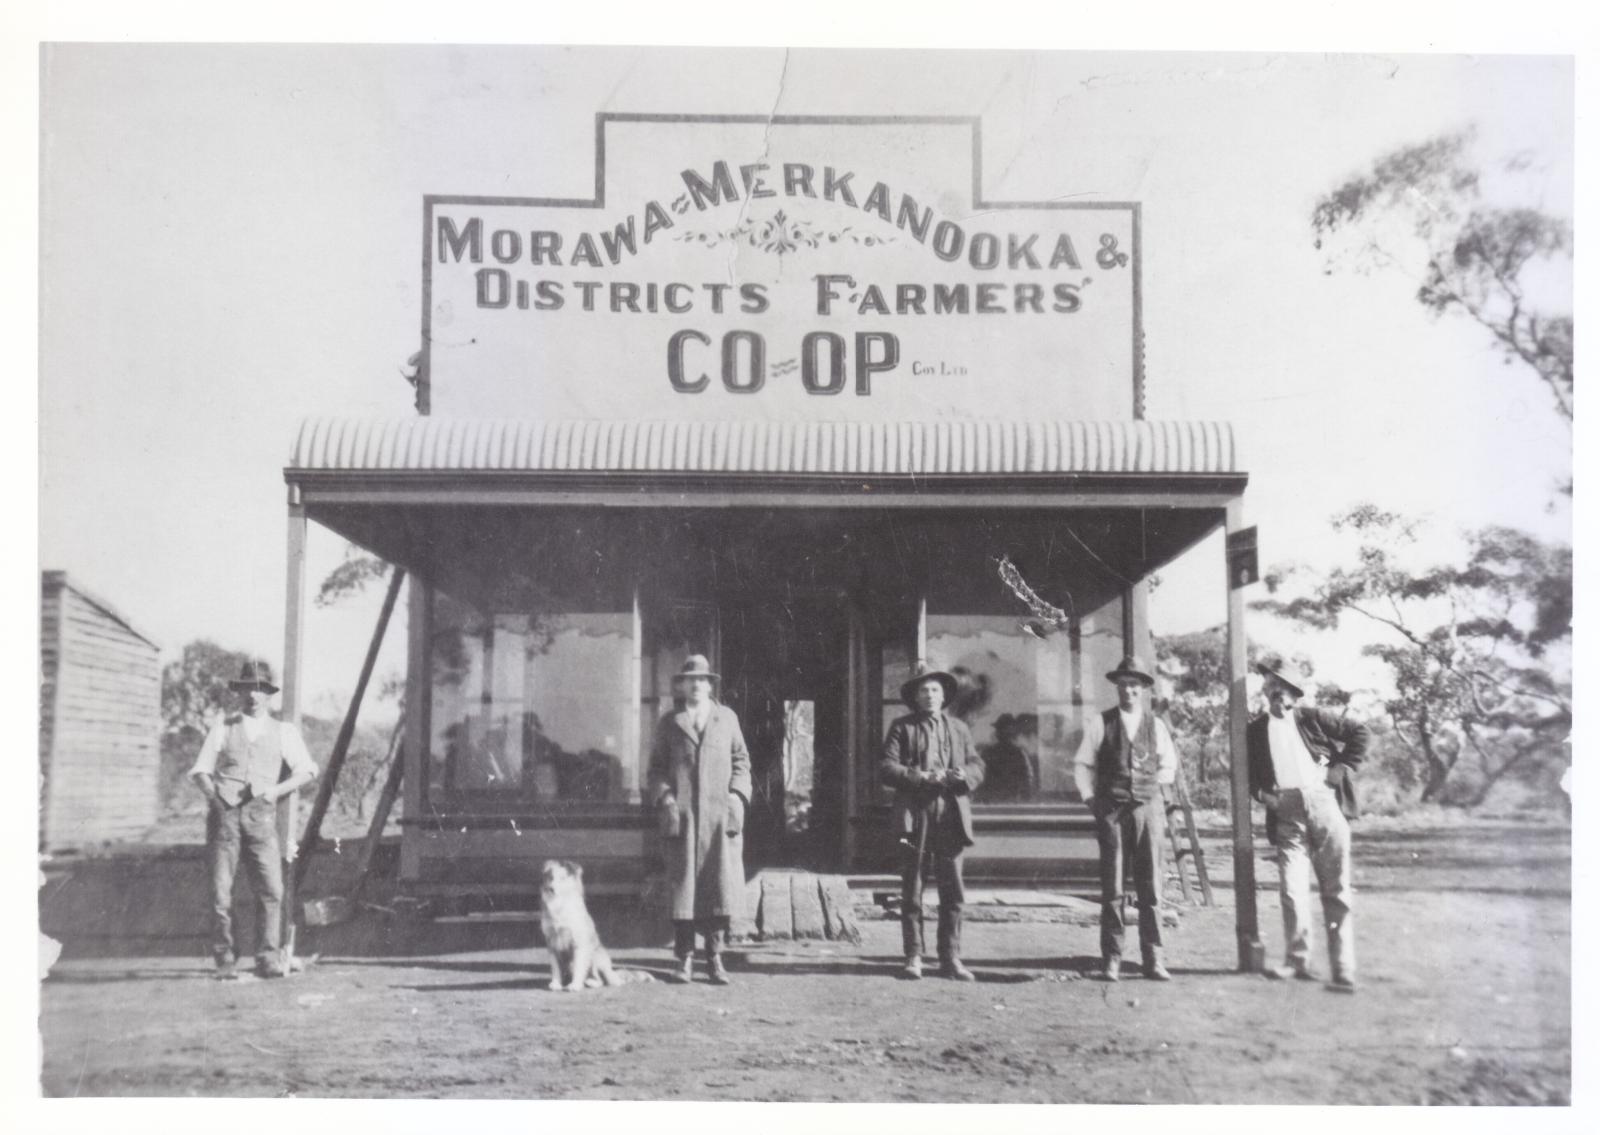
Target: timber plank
point(806, 903)
point(839, 909)
point(777, 910)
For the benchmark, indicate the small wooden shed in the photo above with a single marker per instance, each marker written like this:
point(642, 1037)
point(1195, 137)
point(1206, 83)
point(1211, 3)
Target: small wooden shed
point(99, 720)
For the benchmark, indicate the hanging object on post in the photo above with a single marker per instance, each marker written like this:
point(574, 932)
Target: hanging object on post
point(1243, 567)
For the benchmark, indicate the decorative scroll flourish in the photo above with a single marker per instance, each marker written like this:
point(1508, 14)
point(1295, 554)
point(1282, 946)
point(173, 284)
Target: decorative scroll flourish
point(782, 234)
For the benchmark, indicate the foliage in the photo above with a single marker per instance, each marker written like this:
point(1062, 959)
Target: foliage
point(194, 693)
point(1473, 258)
point(1475, 650)
point(351, 576)
point(1195, 667)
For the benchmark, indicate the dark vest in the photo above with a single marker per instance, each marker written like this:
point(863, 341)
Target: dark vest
point(242, 764)
point(1124, 767)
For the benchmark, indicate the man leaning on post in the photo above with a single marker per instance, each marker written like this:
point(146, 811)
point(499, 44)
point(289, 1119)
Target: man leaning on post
point(238, 771)
point(1126, 755)
point(1301, 760)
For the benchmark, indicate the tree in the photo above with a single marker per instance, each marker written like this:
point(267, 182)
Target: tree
point(1195, 667)
point(1421, 209)
point(1474, 650)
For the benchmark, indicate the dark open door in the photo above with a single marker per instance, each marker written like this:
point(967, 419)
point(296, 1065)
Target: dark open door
point(785, 664)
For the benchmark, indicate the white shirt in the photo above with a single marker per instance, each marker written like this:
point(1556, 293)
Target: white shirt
point(295, 754)
point(1094, 732)
point(699, 715)
point(1293, 766)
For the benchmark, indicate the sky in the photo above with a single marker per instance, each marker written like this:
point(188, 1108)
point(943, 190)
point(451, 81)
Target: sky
point(214, 269)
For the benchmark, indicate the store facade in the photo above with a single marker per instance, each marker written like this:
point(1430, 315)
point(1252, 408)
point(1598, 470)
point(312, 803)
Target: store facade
point(794, 394)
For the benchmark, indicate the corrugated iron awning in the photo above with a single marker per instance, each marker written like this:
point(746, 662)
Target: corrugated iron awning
point(437, 445)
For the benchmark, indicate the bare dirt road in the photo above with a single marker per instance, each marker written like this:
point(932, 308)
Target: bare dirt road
point(1465, 941)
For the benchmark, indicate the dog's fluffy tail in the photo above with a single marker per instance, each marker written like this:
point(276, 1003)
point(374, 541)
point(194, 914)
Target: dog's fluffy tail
point(630, 976)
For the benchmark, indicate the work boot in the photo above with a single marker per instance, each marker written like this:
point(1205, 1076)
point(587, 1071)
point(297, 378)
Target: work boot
point(1290, 970)
point(913, 968)
point(1112, 970)
point(718, 973)
point(950, 945)
point(227, 966)
point(269, 965)
point(1155, 971)
point(1342, 984)
point(684, 973)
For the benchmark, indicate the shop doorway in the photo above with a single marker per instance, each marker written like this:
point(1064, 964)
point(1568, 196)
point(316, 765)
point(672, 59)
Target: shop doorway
point(785, 668)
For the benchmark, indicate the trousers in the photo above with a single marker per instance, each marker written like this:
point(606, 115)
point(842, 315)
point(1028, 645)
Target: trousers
point(714, 929)
point(251, 830)
point(952, 893)
point(1313, 835)
point(1135, 830)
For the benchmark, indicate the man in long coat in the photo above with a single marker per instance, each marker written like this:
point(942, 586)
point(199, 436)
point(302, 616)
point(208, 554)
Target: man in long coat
point(1301, 760)
point(700, 789)
point(933, 766)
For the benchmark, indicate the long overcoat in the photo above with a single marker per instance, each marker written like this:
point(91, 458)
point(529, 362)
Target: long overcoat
point(700, 790)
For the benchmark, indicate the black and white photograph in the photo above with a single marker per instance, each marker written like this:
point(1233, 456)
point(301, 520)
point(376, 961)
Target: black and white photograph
point(999, 574)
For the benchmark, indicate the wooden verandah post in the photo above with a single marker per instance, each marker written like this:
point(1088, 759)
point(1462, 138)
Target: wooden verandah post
point(1252, 955)
point(293, 634)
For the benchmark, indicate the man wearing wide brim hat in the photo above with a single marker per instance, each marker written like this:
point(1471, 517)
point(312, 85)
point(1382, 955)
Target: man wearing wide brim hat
point(699, 786)
point(1125, 757)
point(933, 766)
point(1301, 762)
point(249, 761)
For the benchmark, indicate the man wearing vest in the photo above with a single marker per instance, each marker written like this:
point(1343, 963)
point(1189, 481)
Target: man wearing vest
point(240, 772)
point(1125, 757)
point(933, 766)
point(1300, 763)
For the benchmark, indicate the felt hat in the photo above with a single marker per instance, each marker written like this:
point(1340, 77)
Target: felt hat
point(908, 690)
point(254, 676)
point(1271, 674)
point(696, 666)
point(1131, 666)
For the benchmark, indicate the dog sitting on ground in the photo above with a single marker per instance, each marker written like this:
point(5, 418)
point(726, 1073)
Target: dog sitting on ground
point(577, 959)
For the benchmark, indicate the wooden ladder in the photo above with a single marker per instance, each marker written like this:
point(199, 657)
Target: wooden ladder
point(1178, 801)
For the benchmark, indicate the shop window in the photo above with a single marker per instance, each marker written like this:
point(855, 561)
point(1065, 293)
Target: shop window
point(1026, 698)
point(530, 709)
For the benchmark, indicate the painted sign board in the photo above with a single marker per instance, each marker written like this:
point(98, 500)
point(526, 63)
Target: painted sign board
point(1243, 565)
point(738, 268)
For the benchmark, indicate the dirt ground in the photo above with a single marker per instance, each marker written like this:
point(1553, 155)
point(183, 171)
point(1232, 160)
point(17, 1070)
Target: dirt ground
point(1465, 953)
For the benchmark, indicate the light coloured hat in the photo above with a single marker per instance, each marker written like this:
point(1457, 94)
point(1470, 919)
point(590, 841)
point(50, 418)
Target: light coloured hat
point(696, 666)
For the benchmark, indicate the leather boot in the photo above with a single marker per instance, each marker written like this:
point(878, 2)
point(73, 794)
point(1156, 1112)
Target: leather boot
point(950, 945)
point(911, 943)
point(718, 973)
point(1153, 967)
point(683, 950)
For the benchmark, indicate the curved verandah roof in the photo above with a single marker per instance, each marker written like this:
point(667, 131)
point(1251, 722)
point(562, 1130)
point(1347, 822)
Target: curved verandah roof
point(399, 486)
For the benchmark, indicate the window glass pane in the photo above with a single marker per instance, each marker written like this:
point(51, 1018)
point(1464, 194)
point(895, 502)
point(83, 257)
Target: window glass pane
point(531, 708)
point(1025, 698)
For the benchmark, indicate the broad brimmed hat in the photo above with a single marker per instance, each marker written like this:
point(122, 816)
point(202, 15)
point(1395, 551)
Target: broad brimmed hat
point(1269, 672)
point(696, 666)
point(908, 690)
point(1131, 666)
point(254, 676)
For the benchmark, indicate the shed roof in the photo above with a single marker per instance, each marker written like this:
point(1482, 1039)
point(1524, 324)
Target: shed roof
point(966, 448)
point(59, 580)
